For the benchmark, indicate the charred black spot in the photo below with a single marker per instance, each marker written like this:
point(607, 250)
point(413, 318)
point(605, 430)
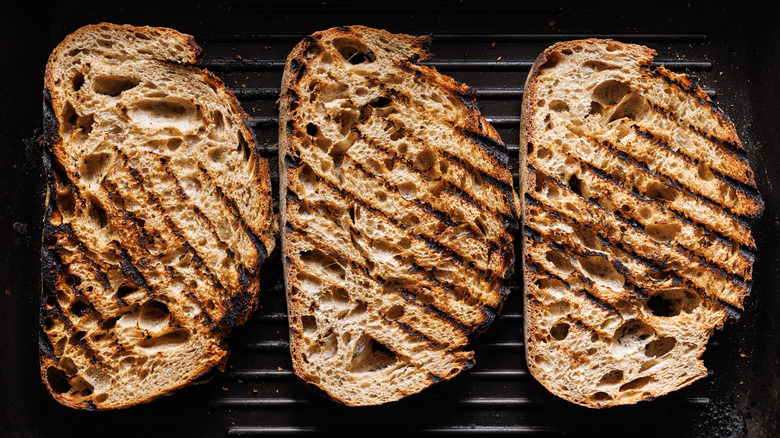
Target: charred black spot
point(494, 147)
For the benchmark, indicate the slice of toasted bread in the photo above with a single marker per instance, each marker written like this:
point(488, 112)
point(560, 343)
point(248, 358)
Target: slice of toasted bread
point(637, 247)
point(158, 216)
point(397, 211)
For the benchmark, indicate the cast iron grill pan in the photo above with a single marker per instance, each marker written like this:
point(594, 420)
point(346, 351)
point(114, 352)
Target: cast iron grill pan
point(485, 46)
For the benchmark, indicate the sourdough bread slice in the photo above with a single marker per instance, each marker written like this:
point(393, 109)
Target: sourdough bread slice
point(158, 217)
point(637, 196)
point(397, 211)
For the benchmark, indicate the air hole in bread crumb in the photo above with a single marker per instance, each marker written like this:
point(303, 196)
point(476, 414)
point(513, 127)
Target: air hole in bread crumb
point(633, 107)
point(602, 271)
point(559, 261)
point(560, 331)
point(166, 341)
point(664, 232)
point(408, 189)
point(309, 324)
point(598, 66)
point(588, 238)
point(318, 260)
point(610, 92)
point(671, 302)
point(542, 153)
point(425, 160)
point(658, 190)
point(611, 378)
point(113, 86)
point(335, 297)
point(600, 396)
point(704, 172)
point(660, 346)
point(578, 186)
point(97, 214)
point(395, 312)
point(57, 380)
point(93, 166)
point(125, 291)
point(636, 383)
point(354, 51)
point(633, 335)
point(558, 105)
point(154, 315)
point(77, 81)
point(370, 355)
point(551, 60)
point(80, 308)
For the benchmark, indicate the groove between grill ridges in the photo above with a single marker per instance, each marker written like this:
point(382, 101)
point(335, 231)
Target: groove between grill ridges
point(482, 93)
point(284, 345)
point(282, 317)
point(468, 402)
point(222, 65)
point(469, 430)
point(273, 374)
point(467, 36)
point(273, 122)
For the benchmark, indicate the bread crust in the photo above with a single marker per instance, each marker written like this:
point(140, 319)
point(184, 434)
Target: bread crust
point(615, 280)
point(450, 323)
point(114, 196)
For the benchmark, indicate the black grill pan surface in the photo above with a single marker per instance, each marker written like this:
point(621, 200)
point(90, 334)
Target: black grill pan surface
point(734, 49)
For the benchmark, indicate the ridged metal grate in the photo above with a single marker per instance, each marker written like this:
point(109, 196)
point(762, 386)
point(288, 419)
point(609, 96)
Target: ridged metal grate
point(260, 393)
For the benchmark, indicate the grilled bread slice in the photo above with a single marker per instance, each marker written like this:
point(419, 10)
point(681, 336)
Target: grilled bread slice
point(637, 196)
point(397, 209)
point(158, 216)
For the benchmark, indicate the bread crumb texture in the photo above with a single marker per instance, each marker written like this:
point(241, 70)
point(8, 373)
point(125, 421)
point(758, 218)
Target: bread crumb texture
point(637, 198)
point(158, 217)
point(398, 211)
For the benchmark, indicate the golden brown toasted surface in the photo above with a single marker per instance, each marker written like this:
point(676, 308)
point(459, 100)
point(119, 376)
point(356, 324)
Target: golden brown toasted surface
point(397, 212)
point(158, 217)
point(636, 209)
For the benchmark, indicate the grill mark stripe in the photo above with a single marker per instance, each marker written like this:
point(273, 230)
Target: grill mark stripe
point(748, 196)
point(657, 262)
point(625, 272)
point(737, 221)
point(587, 294)
point(445, 251)
point(535, 237)
point(617, 214)
point(436, 312)
point(58, 312)
point(172, 226)
point(692, 91)
point(734, 155)
point(746, 188)
point(102, 276)
point(566, 249)
point(502, 186)
point(427, 277)
point(443, 216)
point(197, 210)
point(714, 204)
point(498, 151)
point(230, 204)
point(173, 229)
